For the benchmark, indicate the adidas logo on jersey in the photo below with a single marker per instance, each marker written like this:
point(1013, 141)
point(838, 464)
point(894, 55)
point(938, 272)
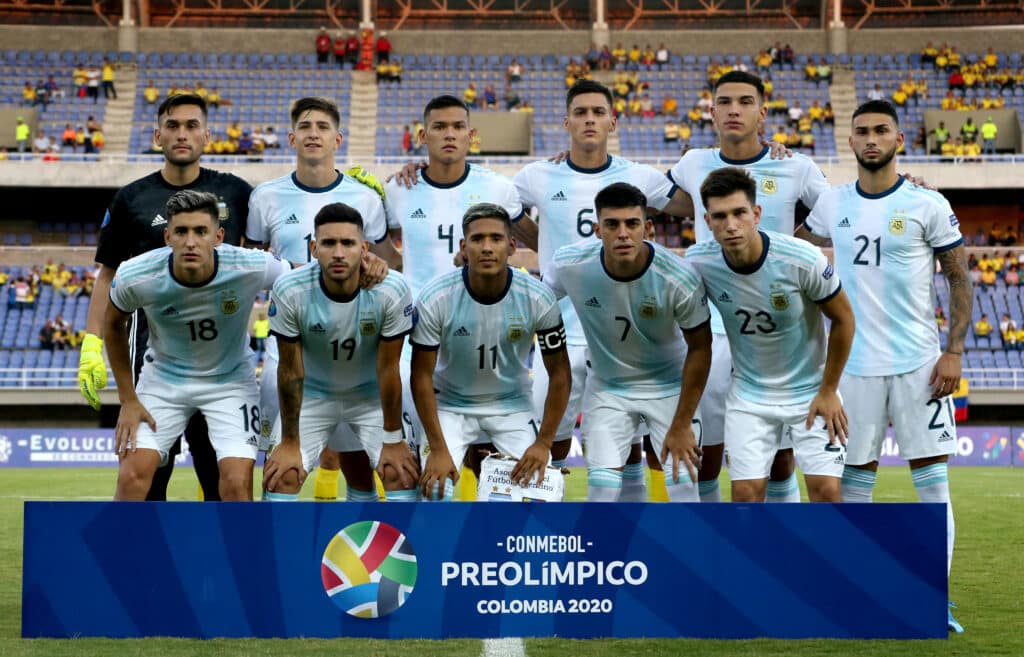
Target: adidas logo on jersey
point(462, 331)
point(845, 223)
point(945, 437)
point(169, 311)
point(418, 214)
point(724, 297)
point(318, 328)
point(159, 220)
point(560, 196)
point(592, 302)
point(292, 219)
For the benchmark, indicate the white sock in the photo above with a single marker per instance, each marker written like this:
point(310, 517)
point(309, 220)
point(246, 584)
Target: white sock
point(932, 484)
point(356, 495)
point(449, 492)
point(709, 491)
point(682, 489)
point(783, 491)
point(603, 484)
point(634, 489)
point(858, 484)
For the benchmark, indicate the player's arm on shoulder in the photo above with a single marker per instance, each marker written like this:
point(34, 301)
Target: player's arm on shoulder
point(525, 231)
point(680, 204)
point(804, 233)
point(386, 251)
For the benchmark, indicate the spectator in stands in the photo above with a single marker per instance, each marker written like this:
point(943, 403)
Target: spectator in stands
point(633, 58)
point(469, 96)
point(270, 140)
point(1009, 239)
point(899, 97)
point(383, 72)
point(338, 49)
point(989, 130)
point(41, 143)
point(593, 56)
point(776, 52)
point(46, 336)
point(920, 139)
point(975, 274)
point(383, 48)
point(21, 134)
point(824, 71)
point(909, 88)
point(779, 137)
point(795, 113)
point(245, 144)
point(661, 56)
point(260, 331)
point(983, 329)
point(956, 81)
point(763, 62)
point(954, 58)
point(1012, 277)
point(829, 117)
point(920, 90)
point(406, 140)
point(969, 130)
point(1008, 331)
point(670, 132)
point(941, 136)
point(670, 106)
point(807, 142)
point(234, 131)
point(214, 100)
point(53, 89)
point(28, 94)
point(92, 83)
point(604, 59)
point(988, 278)
point(646, 106)
point(323, 46)
point(619, 55)
point(793, 138)
point(67, 138)
point(352, 49)
point(513, 72)
point(417, 136)
point(788, 57)
point(79, 77)
point(804, 124)
point(940, 319)
point(201, 91)
point(151, 94)
point(97, 140)
point(647, 58)
point(107, 76)
point(42, 95)
point(490, 97)
point(928, 55)
point(511, 98)
point(634, 106)
point(525, 107)
point(22, 293)
point(395, 70)
point(950, 101)
point(876, 93)
point(816, 113)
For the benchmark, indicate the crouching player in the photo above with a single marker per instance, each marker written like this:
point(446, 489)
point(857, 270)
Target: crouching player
point(196, 294)
point(632, 299)
point(471, 345)
point(773, 291)
point(339, 347)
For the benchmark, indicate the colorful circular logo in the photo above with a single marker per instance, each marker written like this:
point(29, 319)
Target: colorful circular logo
point(369, 569)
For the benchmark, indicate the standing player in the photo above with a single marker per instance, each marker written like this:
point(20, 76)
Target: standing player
point(281, 213)
point(196, 295)
point(563, 193)
point(738, 111)
point(135, 224)
point(425, 216)
point(771, 291)
point(632, 299)
point(887, 234)
point(470, 348)
point(339, 348)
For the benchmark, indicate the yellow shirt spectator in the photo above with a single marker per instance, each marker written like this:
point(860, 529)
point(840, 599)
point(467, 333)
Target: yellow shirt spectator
point(982, 328)
point(804, 124)
point(79, 75)
point(988, 277)
point(108, 72)
point(972, 149)
point(764, 60)
point(694, 114)
point(620, 106)
point(28, 93)
point(151, 94)
point(780, 137)
point(634, 55)
point(685, 132)
point(234, 131)
point(816, 113)
point(899, 97)
point(949, 149)
point(941, 60)
point(991, 59)
point(261, 328)
point(669, 106)
point(201, 91)
point(469, 96)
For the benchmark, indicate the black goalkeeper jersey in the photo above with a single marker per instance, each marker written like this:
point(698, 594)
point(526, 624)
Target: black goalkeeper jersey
point(135, 222)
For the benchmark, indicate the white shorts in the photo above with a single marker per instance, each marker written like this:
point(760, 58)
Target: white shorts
point(511, 434)
point(712, 403)
point(578, 365)
point(924, 427)
point(411, 425)
point(341, 426)
point(755, 432)
point(231, 410)
point(610, 422)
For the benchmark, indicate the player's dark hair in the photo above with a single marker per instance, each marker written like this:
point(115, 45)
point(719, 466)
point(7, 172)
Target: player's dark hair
point(742, 77)
point(486, 211)
point(620, 195)
point(190, 200)
point(317, 103)
point(585, 86)
point(877, 107)
point(338, 213)
point(178, 100)
point(442, 102)
point(726, 182)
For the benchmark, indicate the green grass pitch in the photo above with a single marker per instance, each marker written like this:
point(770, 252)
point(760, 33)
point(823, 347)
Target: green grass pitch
point(987, 582)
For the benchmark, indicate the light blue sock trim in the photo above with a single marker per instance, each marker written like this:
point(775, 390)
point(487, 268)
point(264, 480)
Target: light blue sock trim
point(558, 463)
point(684, 475)
point(409, 495)
point(633, 471)
point(280, 497)
point(449, 492)
point(356, 495)
point(705, 487)
point(859, 478)
point(604, 478)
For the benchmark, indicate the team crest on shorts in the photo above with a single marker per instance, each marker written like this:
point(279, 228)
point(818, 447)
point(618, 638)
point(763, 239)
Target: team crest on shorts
point(648, 308)
point(229, 303)
point(769, 185)
point(897, 224)
point(779, 299)
point(515, 332)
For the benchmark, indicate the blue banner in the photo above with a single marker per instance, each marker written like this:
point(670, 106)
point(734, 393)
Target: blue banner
point(484, 570)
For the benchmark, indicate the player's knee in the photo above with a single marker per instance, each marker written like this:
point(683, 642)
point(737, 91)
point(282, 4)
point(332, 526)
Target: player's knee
point(391, 479)
point(235, 485)
point(748, 490)
point(824, 489)
point(288, 483)
point(133, 482)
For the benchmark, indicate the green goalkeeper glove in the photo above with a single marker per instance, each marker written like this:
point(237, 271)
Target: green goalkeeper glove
point(368, 179)
point(92, 371)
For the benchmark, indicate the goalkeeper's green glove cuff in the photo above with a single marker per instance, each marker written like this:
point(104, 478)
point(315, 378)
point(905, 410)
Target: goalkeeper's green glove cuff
point(92, 371)
point(368, 179)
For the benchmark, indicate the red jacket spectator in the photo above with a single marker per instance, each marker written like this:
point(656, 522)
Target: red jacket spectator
point(383, 48)
point(352, 49)
point(323, 46)
point(339, 50)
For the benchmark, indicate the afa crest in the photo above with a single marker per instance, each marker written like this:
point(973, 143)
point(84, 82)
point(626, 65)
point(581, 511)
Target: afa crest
point(769, 185)
point(229, 303)
point(648, 309)
point(516, 332)
point(897, 225)
point(778, 297)
point(368, 326)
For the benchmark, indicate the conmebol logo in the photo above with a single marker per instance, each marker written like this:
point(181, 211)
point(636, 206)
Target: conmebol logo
point(369, 569)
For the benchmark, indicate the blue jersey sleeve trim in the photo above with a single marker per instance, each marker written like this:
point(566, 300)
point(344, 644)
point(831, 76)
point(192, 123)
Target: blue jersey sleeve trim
point(286, 338)
point(119, 308)
point(522, 213)
point(834, 293)
point(706, 322)
point(943, 249)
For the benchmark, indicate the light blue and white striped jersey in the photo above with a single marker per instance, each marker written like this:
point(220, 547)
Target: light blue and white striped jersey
point(196, 332)
point(885, 246)
point(563, 194)
point(780, 184)
point(776, 331)
point(632, 326)
point(430, 218)
point(281, 213)
point(484, 343)
point(339, 336)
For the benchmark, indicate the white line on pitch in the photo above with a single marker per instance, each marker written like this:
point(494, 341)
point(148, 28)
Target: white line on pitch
point(504, 648)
